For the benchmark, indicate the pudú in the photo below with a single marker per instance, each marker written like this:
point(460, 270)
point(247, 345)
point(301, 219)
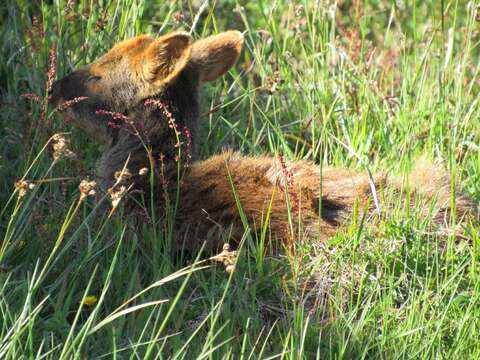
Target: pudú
point(141, 102)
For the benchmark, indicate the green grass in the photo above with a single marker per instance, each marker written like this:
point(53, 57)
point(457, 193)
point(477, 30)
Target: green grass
point(366, 84)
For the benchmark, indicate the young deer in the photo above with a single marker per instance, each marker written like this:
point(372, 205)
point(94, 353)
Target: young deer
point(149, 89)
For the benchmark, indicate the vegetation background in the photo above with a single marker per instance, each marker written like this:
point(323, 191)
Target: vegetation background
point(358, 84)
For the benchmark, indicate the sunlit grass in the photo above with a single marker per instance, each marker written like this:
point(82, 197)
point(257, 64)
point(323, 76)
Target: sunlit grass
point(366, 85)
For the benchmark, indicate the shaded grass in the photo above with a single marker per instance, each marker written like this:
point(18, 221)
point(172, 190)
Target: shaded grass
point(372, 84)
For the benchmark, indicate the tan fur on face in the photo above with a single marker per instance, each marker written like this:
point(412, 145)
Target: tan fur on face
point(132, 49)
point(150, 63)
point(120, 60)
point(141, 68)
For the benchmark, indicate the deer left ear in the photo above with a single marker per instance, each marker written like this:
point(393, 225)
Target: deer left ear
point(166, 57)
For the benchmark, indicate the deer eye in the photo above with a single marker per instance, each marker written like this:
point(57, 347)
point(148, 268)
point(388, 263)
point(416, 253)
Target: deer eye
point(93, 78)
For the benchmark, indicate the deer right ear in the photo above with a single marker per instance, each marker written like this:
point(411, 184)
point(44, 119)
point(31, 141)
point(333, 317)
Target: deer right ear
point(215, 55)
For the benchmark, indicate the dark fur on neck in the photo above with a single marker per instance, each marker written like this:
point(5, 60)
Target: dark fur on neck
point(149, 140)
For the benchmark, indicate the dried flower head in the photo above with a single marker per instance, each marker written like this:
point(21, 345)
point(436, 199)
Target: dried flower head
point(122, 175)
point(69, 6)
point(60, 147)
point(87, 188)
point(116, 195)
point(298, 10)
point(22, 186)
point(100, 24)
point(178, 17)
point(227, 258)
point(273, 82)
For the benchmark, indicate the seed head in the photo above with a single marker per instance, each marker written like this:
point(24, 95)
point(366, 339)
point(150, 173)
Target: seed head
point(116, 195)
point(188, 136)
point(160, 105)
point(60, 147)
point(35, 33)
point(53, 68)
point(227, 258)
point(87, 188)
point(64, 106)
point(172, 124)
point(290, 183)
point(178, 17)
point(273, 82)
point(33, 97)
point(122, 175)
point(115, 115)
point(23, 186)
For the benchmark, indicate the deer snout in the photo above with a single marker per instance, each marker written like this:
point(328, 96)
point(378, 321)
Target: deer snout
point(68, 88)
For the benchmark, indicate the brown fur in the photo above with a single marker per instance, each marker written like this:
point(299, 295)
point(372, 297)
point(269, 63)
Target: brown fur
point(171, 69)
point(208, 201)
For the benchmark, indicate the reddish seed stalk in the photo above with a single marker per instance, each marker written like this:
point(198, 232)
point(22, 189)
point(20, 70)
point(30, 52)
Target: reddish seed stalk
point(171, 120)
point(33, 97)
point(292, 194)
point(172, 125)
point(35, 32)
point(163, 179)
point(38, 26)
point(69, 103)
point(50, 76)
point(53, 68)
point(290, 182)
point(188, 136)
point(113, 114)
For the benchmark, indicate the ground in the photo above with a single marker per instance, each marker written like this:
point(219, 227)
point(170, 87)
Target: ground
point(358, 84)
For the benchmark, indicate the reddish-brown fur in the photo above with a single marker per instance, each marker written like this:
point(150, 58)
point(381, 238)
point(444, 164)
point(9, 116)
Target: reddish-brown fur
point(170, 70)
point(260, 182)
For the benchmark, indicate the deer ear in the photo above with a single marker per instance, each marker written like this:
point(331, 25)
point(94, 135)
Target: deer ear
point(215, 55)
point(165, 57)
